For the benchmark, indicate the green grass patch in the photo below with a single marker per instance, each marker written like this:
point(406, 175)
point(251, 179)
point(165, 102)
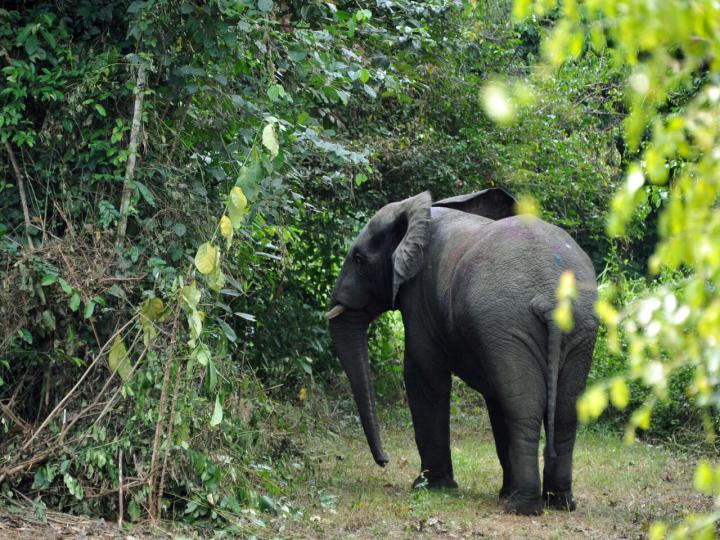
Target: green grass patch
point(620, 489)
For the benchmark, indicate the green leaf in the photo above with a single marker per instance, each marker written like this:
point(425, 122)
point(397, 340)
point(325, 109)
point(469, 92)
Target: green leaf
point(237, 202)
point(217, 415)
point(206, 258)
point(118, 359)
point(364, 75)
point(67, 289)
point(74, 301)
point(212, 376)
point(48, 280)
point(89, 308)
point(100, 109)
point(229, 332)
point(202, 355)
point(266, 504)
point(191, 295)
point(269, 139)
point(275, 91)
point(216, 279)
point(74, 487)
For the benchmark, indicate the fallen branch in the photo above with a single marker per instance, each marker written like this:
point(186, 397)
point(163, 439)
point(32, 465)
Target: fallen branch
point(40, 457)
point(22, 424)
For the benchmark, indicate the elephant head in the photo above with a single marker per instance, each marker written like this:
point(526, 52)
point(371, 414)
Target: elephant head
point(387, 252)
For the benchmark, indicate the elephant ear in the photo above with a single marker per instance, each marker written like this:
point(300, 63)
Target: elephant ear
point(408, 256)
point(492, 203)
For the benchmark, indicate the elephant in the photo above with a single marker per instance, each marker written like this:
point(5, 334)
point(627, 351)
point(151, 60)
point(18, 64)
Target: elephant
point(476, 287)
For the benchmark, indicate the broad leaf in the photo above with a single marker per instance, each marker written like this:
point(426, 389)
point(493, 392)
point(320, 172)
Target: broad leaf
point(269, 140)
point(226, 229)
point(206, 258)
point(118, 359)
point(217, 413)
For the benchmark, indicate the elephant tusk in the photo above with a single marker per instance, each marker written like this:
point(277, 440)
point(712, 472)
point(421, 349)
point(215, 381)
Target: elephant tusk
point(334, 312)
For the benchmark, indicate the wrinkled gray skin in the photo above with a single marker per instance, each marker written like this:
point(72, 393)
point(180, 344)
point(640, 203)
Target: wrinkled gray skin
point(476, 297)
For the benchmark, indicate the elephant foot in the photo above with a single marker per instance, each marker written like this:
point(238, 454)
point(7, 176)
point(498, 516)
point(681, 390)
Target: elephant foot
point(560, 501)
point(525, 507)
point(444, 482)
point(504, 493)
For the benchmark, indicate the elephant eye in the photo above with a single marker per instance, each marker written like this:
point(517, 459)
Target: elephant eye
point(359, 258)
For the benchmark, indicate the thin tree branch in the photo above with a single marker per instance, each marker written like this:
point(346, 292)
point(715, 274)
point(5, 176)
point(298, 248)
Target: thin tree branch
point(21, 188)
point(77, 384)
point(132, 157)
point(154, 497)
point(120, 490)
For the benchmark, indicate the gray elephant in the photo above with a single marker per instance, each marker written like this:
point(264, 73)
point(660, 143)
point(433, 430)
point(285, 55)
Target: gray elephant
point(476, 286)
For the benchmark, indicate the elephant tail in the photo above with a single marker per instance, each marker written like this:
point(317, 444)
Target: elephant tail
point(553, 368)
point(543, 309)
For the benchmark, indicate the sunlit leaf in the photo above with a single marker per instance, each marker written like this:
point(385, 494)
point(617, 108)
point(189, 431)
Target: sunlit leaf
point(226, 229)
point(237, 203)
point(206, 258)
point(270, 140)
point(619, 393)
point(217, 415)
point(191, 295)
point(118, 360)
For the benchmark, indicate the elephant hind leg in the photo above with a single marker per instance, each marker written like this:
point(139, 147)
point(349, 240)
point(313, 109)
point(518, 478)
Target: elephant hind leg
point(557, 476)
point(502, 442)
point(524, 441)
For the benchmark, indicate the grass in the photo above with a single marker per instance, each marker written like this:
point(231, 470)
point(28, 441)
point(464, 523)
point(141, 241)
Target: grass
point(333, 489)
point(620, 489)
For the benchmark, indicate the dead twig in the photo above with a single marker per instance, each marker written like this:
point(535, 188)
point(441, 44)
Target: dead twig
point(22, 424)
point(168, 435)
point(21, 189)
point(99, 394)
point(154, 498)
point(39, 457)
point(63, 401)
point(120, 490)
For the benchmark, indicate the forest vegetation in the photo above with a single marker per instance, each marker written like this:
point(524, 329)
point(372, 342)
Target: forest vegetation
point(180, 181)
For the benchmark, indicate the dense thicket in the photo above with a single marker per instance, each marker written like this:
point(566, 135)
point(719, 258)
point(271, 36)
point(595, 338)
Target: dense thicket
point(321, 113)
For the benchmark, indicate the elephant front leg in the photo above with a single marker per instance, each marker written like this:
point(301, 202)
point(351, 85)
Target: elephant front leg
point(429, 398)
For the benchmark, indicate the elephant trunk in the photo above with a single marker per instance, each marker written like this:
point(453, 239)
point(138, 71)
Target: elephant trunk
point(350, 342)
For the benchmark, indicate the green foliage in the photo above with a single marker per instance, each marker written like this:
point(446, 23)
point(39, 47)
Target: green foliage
point(269, 133)
point(248, 116)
